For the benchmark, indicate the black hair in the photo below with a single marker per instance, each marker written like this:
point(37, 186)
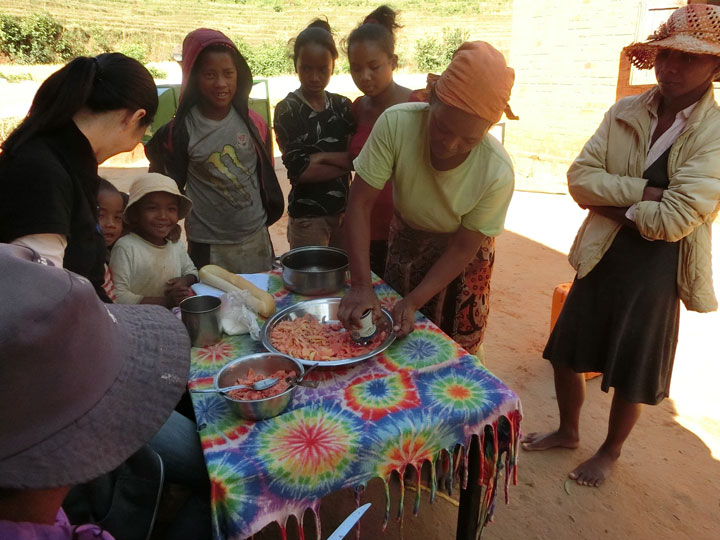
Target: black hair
point(317, 32)
point(237, 58)
point(109, 187)
point(107, 82)
point(378, 27)
point(7, 493)
point(106, 185)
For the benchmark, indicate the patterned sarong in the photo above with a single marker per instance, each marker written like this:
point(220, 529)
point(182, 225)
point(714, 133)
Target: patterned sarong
point(461, 309)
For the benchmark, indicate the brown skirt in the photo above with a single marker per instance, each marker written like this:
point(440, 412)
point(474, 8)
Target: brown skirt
point(461, 309)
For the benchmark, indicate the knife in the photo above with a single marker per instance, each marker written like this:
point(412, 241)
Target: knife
point(349, 523)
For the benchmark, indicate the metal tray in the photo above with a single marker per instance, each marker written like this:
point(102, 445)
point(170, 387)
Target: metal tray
point(325, 309)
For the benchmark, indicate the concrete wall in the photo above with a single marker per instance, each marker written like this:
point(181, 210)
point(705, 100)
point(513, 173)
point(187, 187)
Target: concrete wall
point(566, 59)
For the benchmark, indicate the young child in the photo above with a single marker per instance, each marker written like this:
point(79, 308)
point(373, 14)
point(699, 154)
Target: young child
point(111, 205)
point(218, 151)
point(146, 267)
point(313, 127)
point(371, 52)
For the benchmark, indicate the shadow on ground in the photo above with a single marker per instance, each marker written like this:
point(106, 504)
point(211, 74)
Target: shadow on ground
point(664, 487)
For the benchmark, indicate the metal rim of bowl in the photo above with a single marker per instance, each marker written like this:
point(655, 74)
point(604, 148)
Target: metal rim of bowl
point(280, 315)
point(302, 249)
point(256, 355)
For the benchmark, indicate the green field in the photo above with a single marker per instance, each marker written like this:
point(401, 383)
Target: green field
point(159, 25)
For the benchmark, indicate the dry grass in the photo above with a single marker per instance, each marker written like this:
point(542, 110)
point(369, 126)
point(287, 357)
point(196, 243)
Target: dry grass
point(161, 24)
point(7, 125)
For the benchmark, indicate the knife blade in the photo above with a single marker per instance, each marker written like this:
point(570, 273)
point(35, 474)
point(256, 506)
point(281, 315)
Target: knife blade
point(349, 523)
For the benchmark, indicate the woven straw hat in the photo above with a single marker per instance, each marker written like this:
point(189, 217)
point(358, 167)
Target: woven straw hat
point(694, 28)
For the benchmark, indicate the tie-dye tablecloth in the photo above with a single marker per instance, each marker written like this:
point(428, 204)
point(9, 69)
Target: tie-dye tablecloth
point(421, 401)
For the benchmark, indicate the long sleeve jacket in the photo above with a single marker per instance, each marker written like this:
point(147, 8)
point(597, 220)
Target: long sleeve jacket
point(608, 172)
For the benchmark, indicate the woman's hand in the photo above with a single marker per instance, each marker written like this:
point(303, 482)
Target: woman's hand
point(651, 193)
point(358, 299)
point(357, 242)
point(404, 317)
point(615, 213)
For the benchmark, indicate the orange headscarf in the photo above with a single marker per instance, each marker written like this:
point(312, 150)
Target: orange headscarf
point(477, 81)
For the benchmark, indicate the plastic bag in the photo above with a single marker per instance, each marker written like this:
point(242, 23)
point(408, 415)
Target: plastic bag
point(236, 315)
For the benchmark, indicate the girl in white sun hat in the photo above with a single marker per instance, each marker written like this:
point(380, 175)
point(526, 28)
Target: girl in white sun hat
point(650, 178)
point(147, 267)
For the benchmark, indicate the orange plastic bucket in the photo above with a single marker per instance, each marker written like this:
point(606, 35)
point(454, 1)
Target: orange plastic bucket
point(558, 300)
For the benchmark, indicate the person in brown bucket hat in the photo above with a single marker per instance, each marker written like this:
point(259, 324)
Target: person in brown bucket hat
point(649, 177)
point(84, 385)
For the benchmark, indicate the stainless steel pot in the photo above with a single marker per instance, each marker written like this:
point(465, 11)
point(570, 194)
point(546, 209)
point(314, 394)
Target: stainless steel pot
point(314, 270)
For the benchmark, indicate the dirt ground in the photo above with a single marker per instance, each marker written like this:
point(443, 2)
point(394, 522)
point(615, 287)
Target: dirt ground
point(666, 485)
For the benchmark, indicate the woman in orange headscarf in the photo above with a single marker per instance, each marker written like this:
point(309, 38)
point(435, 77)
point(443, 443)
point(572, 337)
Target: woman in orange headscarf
point(451, 189)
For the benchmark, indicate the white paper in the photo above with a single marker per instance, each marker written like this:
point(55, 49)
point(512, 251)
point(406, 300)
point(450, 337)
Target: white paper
point(261, 280)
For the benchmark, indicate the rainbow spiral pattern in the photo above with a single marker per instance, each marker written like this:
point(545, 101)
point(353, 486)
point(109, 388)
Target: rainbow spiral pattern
point(417, 401)
point(423, 348)
point(311, 450)
point(376, 395)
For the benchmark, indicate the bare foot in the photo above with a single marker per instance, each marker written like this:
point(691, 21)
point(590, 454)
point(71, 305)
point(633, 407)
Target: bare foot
point(545, 441)
point(595, 470)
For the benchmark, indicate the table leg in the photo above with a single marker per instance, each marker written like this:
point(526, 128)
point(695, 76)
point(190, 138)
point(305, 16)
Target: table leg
point(470, 497)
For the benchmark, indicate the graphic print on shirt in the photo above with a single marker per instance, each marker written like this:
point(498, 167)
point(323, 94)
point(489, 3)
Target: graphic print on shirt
point(222, 162)
point(302, 132)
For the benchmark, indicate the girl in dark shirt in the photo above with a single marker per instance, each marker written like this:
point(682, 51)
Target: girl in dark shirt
point(88, 111)
point(313, 127)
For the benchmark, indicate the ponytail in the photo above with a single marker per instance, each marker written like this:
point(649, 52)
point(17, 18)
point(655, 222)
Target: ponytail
point(319, 33)
point(378, 27)
point(108, 82)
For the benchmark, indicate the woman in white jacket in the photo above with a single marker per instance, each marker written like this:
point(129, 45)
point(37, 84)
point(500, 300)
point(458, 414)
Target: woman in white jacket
point(649, 178)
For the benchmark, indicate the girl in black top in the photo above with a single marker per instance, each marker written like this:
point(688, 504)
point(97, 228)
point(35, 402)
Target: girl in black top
point(313, 128)
point(88, 111)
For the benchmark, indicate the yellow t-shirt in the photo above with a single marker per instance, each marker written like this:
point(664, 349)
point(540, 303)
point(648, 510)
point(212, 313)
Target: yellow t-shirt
point(475, 194)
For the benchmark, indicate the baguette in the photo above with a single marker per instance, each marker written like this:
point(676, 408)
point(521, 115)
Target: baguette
point(218, 277)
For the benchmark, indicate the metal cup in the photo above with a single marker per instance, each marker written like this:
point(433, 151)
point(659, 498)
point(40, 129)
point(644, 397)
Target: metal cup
point(201, 316)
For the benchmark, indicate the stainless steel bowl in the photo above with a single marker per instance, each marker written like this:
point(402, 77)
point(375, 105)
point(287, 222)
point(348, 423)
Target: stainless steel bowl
point(325, 309)
point(265, 364)
point(314, 270)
